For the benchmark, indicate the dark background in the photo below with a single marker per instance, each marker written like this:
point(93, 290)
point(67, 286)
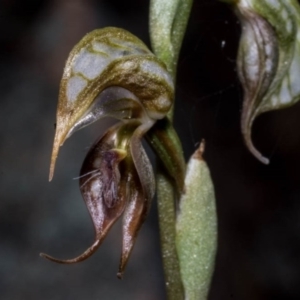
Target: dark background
point(258, 206)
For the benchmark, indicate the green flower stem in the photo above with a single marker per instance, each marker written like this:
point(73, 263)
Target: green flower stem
point(167, 217)
point(168, 20)
point(163, 138)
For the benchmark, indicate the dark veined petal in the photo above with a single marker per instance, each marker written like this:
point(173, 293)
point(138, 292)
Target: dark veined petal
point(100, 185)
point(141, 160)
point(116, 176)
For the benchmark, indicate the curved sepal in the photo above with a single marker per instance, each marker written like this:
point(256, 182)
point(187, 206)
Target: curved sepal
point(268, 59)
point(116, 177)
point(102, 188)
point(134, 215)
point(139, 193)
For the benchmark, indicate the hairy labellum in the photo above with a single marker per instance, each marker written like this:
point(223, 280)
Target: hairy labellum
point(111, 183)
point(268, 59)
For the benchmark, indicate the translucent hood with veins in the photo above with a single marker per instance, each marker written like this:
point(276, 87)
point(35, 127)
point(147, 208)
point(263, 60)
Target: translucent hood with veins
point(110, 72)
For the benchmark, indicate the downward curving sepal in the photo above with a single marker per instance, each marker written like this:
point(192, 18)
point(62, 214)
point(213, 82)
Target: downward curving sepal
point(110, 72)
point(268, 59)
point(116, 177)
point(102, 188)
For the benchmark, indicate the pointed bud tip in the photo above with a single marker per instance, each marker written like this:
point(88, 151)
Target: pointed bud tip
point(198, 154)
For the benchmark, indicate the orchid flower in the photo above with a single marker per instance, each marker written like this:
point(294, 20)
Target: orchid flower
point(112, 73)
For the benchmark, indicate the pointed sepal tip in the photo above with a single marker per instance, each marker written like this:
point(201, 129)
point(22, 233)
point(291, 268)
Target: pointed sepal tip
point(90, 251)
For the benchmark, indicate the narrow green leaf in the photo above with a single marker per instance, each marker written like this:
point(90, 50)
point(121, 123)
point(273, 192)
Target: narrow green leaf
point(196, 236)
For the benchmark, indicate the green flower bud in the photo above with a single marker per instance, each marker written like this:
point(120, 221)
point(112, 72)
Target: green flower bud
point(196, 228)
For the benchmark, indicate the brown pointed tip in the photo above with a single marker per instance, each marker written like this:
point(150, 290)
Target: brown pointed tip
point(54, 155)
point(52, 165)
point(60, 137)
point(60, 261)
point(126, 251)
point(120, 275)
point(198, 154)
point(123, 263)
point(90, 251)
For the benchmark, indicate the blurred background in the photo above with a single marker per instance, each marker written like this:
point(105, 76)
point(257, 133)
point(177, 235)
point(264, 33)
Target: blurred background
point(258, 206)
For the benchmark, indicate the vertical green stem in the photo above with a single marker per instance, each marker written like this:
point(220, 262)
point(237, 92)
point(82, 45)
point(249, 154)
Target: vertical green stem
point(168, 20)
point(167, 217)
